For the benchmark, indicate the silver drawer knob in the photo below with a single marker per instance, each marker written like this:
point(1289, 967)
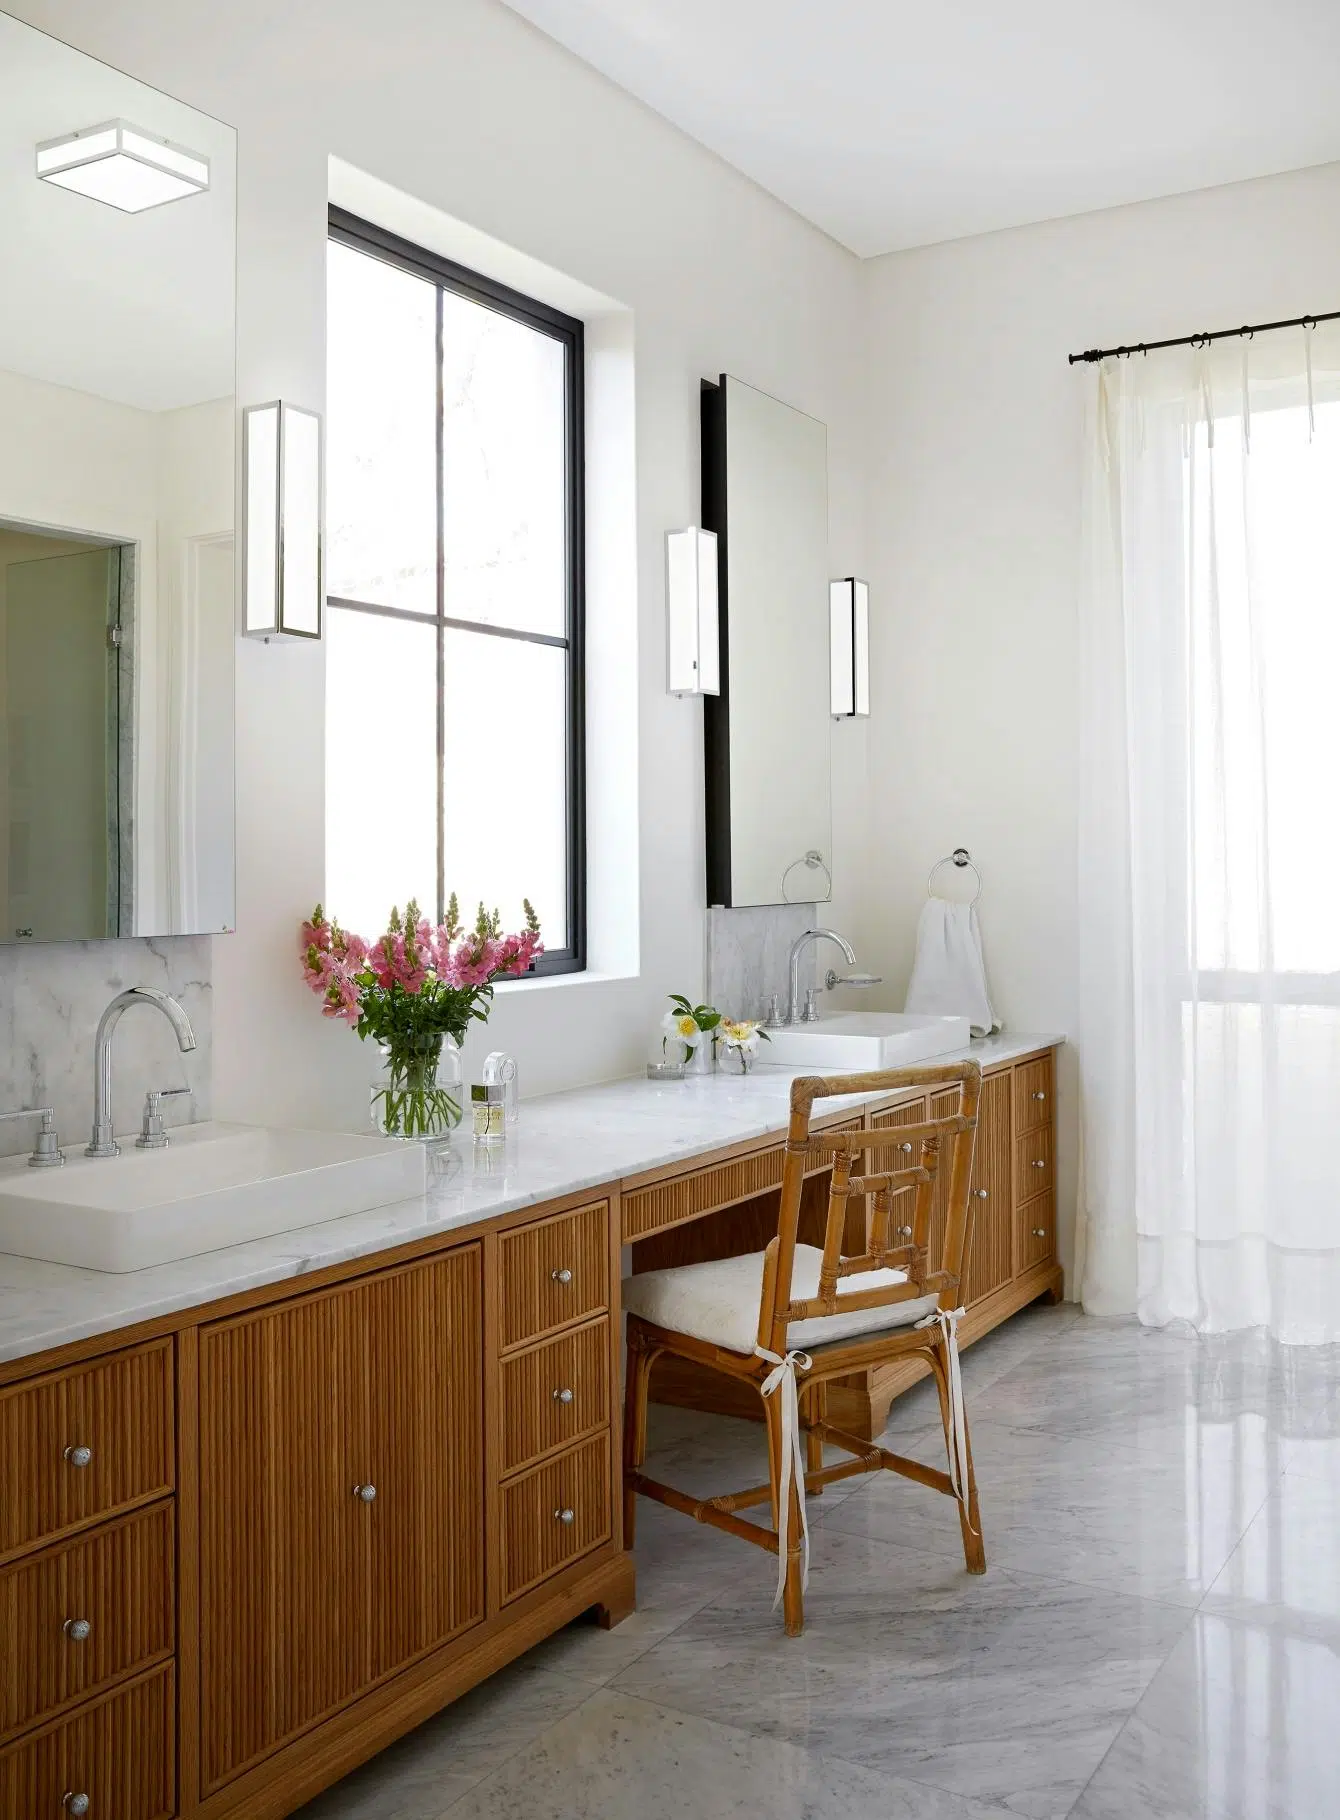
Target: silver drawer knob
point(1039, 1162)
point(1039, 1095)
point(565, 1516)
point(365, 1492)
point(563, 1396)
point(560, 1276)
point(906, 1146)
point(74, 1804)
point(980, 1193)
point(1039, 1232)
point(905, 1232)
point(78, 1456)
point(77, 1630)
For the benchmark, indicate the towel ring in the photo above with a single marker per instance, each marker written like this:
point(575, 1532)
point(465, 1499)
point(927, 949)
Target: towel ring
point(960, 857)
point(815, 861)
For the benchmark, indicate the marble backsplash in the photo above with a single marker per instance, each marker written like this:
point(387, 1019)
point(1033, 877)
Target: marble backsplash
point(51, 997)
point(748, 953)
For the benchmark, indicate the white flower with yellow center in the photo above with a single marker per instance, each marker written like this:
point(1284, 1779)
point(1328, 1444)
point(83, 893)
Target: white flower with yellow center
point(681, 1027)
point(740, 1033)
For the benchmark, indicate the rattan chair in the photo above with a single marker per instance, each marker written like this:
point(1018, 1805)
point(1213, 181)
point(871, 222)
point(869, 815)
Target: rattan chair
point(792, 1318)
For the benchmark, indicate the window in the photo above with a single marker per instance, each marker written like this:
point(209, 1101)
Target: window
point(454, 692)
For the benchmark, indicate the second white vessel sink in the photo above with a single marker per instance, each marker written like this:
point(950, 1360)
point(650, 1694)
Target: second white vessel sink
point(215, 1185)
point(866, 1039)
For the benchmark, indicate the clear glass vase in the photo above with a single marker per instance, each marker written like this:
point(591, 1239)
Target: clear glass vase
point(417, 1093)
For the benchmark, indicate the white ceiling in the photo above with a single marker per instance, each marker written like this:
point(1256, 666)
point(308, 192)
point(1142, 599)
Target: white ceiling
point(896, 123)
point(136, 308)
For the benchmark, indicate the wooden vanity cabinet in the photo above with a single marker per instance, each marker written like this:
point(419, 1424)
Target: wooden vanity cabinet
point(243, 1555)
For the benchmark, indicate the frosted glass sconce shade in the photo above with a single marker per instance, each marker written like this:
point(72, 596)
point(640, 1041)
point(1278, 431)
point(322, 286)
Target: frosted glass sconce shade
point(691, 602)
point(282, 595)
point(121, 164)
point(849, 648)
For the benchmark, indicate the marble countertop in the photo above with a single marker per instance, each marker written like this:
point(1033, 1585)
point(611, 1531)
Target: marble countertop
point(563, 1144)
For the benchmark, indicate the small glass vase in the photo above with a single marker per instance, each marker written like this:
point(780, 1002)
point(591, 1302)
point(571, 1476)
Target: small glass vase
point(735, 1060)
point(417, 1093)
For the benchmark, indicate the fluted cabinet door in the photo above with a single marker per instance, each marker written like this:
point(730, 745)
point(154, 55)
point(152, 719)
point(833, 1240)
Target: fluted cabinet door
point(990, 1260)
point(425, 1453)
point(341, 1498)
point(284, 1543)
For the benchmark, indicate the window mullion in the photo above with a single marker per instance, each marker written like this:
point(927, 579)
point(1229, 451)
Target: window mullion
point(441, 636)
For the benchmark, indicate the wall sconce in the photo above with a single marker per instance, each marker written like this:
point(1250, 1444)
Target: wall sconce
point(691, 609)
point(849, 647)
point(123, 165)
point(283, 592)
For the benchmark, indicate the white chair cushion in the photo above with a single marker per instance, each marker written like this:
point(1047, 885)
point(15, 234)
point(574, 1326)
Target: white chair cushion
point(718, 1302)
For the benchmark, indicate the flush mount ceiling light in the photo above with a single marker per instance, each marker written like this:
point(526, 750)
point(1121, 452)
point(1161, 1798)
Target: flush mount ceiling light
point(849, 647)
point(282, 584)
point(122, 165)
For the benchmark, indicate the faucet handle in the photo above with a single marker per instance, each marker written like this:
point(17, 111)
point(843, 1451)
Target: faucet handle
point(810, 1015)
point(46, 1151)
point(772, 1015)
point(153, 1133)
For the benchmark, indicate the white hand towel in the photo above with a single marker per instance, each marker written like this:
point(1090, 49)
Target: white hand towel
point(949, 974)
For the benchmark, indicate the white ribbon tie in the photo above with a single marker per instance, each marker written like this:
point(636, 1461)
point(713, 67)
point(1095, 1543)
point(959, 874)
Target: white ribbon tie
point(783, 1377)
point(947, 1319)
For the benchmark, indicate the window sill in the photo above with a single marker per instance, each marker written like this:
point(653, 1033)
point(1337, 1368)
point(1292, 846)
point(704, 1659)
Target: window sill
point(549, 982)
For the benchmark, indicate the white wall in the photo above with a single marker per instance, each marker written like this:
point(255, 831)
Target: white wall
point(460, 102)
point(974, 440)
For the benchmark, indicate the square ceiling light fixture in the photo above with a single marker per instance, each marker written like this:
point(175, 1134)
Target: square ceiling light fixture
point(122, 165)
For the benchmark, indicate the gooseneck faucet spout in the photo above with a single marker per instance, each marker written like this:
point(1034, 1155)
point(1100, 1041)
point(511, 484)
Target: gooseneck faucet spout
point(102, 1142)
point(797, 949)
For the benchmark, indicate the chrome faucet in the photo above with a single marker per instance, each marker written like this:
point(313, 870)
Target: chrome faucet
point(794, 1015)
point(102, 1142)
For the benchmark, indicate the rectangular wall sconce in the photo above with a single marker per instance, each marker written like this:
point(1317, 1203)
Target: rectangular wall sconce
point(849, 647)
point(691, 607)
point(283, 585)
point(122, 165)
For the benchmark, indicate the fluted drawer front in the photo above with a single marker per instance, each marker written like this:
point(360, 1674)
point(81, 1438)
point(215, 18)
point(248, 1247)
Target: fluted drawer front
point(1035, 1225)
point(554, 1393)
point(118, 1754)
point(80, 1616)
point(1033, 1163)
point(83, 1444)
point(554, 1273)
point(555, 1513)
point(1033, 1094)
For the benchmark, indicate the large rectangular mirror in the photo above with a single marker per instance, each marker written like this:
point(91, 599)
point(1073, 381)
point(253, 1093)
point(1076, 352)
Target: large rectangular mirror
point(117, 435)
point(765, 494)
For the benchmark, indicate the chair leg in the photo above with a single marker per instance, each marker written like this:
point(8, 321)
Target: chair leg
point(969, 1515)
point(816, 1404)
point(637, 1387)
point(793, 1597)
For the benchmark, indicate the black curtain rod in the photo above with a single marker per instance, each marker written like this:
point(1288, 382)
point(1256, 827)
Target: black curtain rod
point(1091, 355)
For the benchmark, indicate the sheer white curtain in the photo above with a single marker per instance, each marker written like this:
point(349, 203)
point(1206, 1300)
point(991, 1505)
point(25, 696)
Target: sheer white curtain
point(1210, 837)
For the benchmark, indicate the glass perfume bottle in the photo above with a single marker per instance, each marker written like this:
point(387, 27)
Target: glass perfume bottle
point(487, 1105)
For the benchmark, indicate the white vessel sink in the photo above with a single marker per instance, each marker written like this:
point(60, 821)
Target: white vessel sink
point(866, 1039)
point(214, 1186)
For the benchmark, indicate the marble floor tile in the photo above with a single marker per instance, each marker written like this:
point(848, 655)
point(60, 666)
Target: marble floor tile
point(620, 1758)
point(1238, 1724)
point(1285, 1572)
point(1074, 1508)
point(420, 1776)
point(985, 1361)
point(1000, 1688)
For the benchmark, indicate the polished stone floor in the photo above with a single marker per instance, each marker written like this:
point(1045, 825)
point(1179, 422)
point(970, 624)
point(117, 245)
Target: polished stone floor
point(1157, 1635)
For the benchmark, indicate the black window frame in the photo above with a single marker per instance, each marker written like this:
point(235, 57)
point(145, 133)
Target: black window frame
point(379, 243)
